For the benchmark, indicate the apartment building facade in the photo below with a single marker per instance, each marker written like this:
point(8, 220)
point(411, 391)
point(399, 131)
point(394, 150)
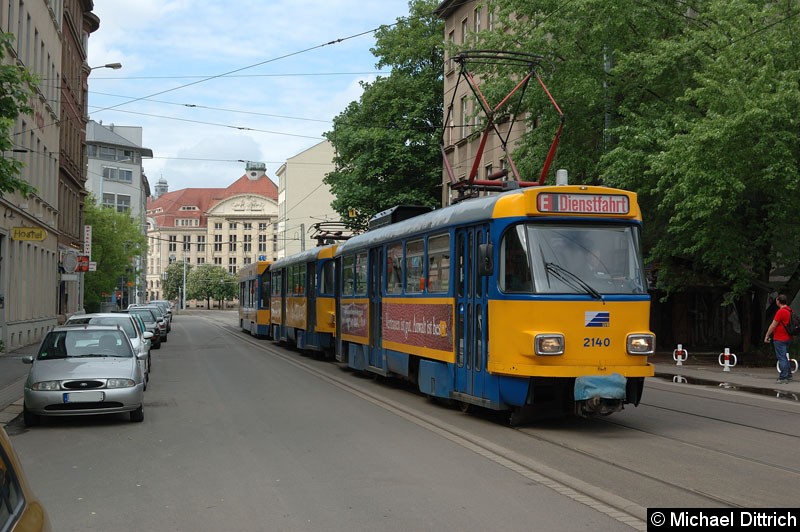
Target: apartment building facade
point(38, 231)
point(303, 198)
point(462, 137)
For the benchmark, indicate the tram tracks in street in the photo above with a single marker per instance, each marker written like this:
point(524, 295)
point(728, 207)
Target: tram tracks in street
point(610, 504)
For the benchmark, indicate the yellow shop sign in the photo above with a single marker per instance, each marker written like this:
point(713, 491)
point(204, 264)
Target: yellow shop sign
point(28, 233)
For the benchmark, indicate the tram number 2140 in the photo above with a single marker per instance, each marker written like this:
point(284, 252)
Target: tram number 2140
point(596, 342)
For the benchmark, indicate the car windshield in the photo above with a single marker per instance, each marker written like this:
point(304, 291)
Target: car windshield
point(84, 343)
point(121, 320)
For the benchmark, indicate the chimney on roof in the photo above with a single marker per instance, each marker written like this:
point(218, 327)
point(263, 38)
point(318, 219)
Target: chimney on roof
point(255, 170)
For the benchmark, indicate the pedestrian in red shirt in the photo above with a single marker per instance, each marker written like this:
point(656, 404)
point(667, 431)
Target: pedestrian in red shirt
point(780, 338)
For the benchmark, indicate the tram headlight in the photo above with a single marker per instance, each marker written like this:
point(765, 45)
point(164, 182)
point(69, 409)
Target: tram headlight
point(548, 344)
point(641, 344)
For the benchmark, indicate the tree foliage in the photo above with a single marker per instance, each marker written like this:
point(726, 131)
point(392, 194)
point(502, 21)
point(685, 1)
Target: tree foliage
point(173, 284)
point(116, 240)
point(16, 90)
point(387, 142)
point(211, 283)
point(694, 106)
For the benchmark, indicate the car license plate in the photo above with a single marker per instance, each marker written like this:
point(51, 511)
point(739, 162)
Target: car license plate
point(84, 397)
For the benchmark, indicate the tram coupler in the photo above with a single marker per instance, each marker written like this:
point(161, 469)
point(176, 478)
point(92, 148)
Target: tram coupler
point(679, 355)
point(727, 359)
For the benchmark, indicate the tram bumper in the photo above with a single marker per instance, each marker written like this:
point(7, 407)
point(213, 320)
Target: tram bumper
point(600, 394)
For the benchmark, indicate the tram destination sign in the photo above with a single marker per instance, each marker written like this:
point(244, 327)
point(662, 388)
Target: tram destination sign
point(560, 202)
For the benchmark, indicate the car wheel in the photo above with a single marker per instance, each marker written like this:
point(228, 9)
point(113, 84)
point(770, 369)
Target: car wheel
point(157, 343)
point(164, 339)
point(30, 419)
point(138, 414)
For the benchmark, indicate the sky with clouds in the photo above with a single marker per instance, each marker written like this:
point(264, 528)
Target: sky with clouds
point(215, 82)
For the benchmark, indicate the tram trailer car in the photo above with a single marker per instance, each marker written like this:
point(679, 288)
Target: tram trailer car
point(254, 304)
point(303, 304)
point(532, 301)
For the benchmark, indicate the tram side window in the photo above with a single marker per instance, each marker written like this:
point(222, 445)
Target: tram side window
point(439, 263)
point(297, 278)
point(326, 279)
point(361, 274)
point(348, 275)
point(394, 269)
point(415, 280)
point(264, 292)
point(515, 270)
point(276, 283)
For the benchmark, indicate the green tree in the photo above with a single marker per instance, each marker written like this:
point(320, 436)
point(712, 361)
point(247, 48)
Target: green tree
point(16, 91)
point(210, 282)
point(116, 240)
point(173, 284)
point(694, 107)
point(387, 142)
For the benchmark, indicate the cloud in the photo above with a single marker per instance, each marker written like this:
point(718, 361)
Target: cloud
point(278, 104)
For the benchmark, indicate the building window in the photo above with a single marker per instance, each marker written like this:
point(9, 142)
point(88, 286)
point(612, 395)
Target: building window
point(218, 261)
point(217, 243)
point(262, 243)
point(232, 243)
point(201, 244)
point(117, 174)
point(247, 226)
point(173, 243)
point(247, 246)
point(187, 242)
point(464, 29)
point(123, 203)
point(262, 226)
point(218, 226)
point(477, 20)
point(232, 226)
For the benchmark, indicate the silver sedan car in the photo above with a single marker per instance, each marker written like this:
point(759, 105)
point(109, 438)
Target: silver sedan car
point(80, 370)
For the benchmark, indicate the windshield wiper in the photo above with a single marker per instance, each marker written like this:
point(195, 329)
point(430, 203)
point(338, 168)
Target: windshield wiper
point(570, 279)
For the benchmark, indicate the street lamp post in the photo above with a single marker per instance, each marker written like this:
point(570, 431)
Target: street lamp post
point(112, 66)
point(183, 301)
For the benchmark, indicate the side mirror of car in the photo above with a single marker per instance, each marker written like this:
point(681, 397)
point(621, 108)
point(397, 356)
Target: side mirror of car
point(147, 335)
point(27, 359)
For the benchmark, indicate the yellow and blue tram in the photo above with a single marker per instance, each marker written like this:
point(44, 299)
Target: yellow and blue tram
point(532, 301)
point(254, 292)
point(303, 309)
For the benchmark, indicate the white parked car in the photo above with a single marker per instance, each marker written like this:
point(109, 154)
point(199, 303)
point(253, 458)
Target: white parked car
point(140, 340)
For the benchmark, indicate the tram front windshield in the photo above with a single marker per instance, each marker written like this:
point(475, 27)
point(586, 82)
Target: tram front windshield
point(570, 259)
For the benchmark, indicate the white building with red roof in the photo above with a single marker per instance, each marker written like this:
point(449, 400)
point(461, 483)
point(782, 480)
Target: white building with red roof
point(228, 227)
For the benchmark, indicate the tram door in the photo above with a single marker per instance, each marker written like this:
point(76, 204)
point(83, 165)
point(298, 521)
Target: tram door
point(375, 272)
point(470, 313)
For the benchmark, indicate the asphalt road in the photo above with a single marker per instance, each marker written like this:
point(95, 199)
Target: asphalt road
point(240, 434)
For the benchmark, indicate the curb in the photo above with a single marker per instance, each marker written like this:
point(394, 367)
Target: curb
point(11, 412)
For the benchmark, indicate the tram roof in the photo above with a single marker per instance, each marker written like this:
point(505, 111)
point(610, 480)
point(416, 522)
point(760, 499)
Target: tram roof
point(505, 204)
point(304, 256)
point(465, 212)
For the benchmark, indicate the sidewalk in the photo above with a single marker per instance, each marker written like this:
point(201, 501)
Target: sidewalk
point(706, 370)
point(12, 379)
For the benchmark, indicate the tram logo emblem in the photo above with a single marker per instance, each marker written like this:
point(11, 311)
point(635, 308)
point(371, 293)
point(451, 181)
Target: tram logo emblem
point(597, 319)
